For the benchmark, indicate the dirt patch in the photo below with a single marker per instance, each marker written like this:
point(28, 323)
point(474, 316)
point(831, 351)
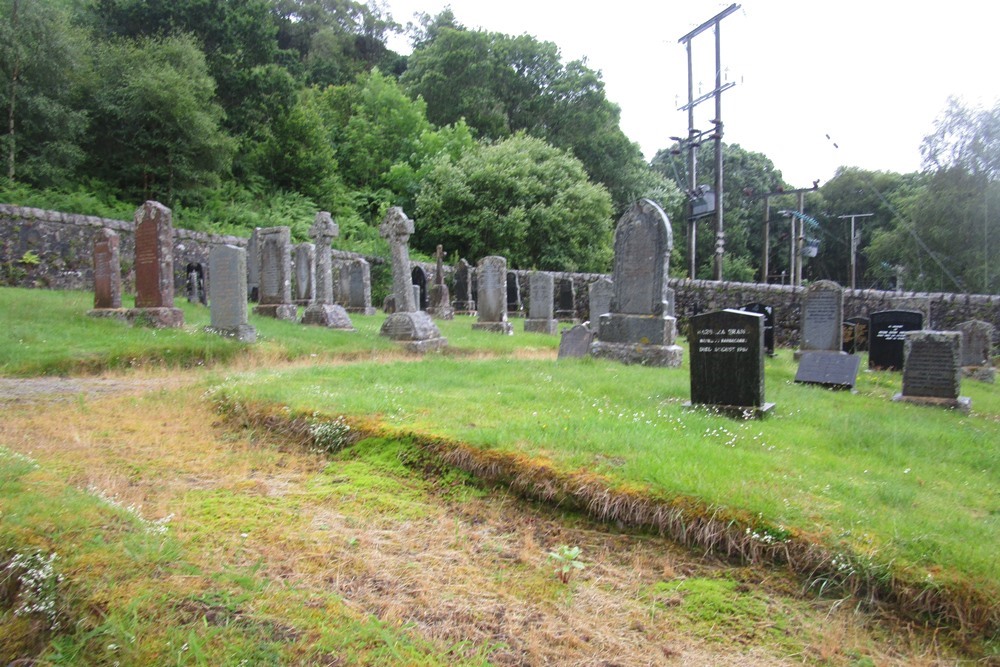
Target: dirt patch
point(66, 389)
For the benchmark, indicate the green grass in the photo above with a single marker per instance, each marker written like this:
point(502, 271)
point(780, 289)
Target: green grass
point(903, 487)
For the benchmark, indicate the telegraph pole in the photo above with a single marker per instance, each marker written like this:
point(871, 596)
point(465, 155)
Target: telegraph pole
point(765, 255)
point(720, 239)
point(854, 243)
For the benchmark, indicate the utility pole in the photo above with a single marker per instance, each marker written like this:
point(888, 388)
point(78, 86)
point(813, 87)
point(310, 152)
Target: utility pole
point(720, 239)
point(765, 255)
point(854, 243)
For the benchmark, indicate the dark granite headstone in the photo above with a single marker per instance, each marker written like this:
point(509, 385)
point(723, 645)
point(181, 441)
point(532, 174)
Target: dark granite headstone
point(107, 270)
point(836, 370)
point(932, 373)
point(727, 362)
point(886, 331)
point(514, 303)
point(856, 335)
point(768, 313)
point(575, 342)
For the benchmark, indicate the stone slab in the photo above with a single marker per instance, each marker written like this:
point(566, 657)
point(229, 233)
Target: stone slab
point(327, 315)
point(836, 370)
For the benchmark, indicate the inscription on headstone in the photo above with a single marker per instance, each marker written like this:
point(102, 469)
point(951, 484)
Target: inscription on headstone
point(887, 331)
point(727, 362)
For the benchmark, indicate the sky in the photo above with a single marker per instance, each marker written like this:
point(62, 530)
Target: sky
point(817, 84)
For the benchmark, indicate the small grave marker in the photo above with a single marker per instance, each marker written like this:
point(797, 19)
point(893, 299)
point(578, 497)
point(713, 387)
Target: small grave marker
point(575, 342)
point(886, 337)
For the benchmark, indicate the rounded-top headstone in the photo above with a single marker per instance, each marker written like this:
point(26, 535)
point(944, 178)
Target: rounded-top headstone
point(643, 242)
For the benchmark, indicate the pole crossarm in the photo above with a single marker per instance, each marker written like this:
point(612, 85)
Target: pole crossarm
point(708, 24)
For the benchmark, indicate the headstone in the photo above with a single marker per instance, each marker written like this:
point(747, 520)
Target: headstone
point(492, 302)
point(154, 268)
point(540, 320)
point(440, 299)
point(107, 270)
point(419, 280)
point(836, 370)
point(356, 286)
point(727, 362)
point(413, 328)
point(465, 303)
point(977, 350)
point(565, 300)
point(638, 330)
point(768, 313)
point(514, 304)
point(323, 309)
point(196, 292)
point(856, 335)
point(886, 335)
point(275, 294)
point(600, 292)
point(227, 265)
point(575, 342)
point(305, 274)
point(822, 318)
point(932, 372)
point(253, 266)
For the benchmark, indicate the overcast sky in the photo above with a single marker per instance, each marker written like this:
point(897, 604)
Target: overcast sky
point(873, 75)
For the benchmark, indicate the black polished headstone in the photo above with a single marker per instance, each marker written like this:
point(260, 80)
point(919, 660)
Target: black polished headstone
point(886, 336)
point(727, 361)
point(830, 369)
point(768, 313)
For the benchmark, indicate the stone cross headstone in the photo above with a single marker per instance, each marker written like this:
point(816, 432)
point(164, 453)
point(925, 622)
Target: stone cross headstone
point(977, 350)
point(886, 334)
point(464, 301)
point(413, 328)
point(305, 273)
point(575, 342)
point(540, 288)
point(768, 313)
point(856, 335)
point(491, 299)
point(275, 293)
point(822, 318)
point(932, 372)
point(600, 292)
point(356, 286)
point(639, 329)
point(154, 267)
point(107, 270)
point(727, 362)
point(253, 266)
point(440, 307)
point(227, 266)
point(565, 300)
point(322, 310)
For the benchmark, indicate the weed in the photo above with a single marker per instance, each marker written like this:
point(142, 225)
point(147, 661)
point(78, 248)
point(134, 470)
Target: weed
point(329, 436)
point(33, 578)
point(566, 561)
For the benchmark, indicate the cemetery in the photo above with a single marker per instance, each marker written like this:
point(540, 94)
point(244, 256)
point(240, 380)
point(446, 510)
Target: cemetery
point(704, 435)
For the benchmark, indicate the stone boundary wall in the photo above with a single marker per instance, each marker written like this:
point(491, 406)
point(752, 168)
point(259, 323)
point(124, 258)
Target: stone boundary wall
point(64, 244)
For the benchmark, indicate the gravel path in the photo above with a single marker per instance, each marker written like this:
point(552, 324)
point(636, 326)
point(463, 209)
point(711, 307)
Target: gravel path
point(65, 389)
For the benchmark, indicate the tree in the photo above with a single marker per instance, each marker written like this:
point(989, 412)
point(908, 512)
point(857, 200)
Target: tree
point(521, 198)
point(41, 61)
point(157, 129)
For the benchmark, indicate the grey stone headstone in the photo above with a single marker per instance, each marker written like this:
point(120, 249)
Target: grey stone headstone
point(977, 343)
point(275, 290)
point(822, 317)
point(396, 229)
point(305, 281)
point(228, 292)
point(107, 270)
point(492, 296)
point(540, 320)
point(886, 336)
point(600, 292)
point(575, 342)
point(727, 361)
point(356, 286)
point(639, 329)
point(932, 372)
point(836, 370)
